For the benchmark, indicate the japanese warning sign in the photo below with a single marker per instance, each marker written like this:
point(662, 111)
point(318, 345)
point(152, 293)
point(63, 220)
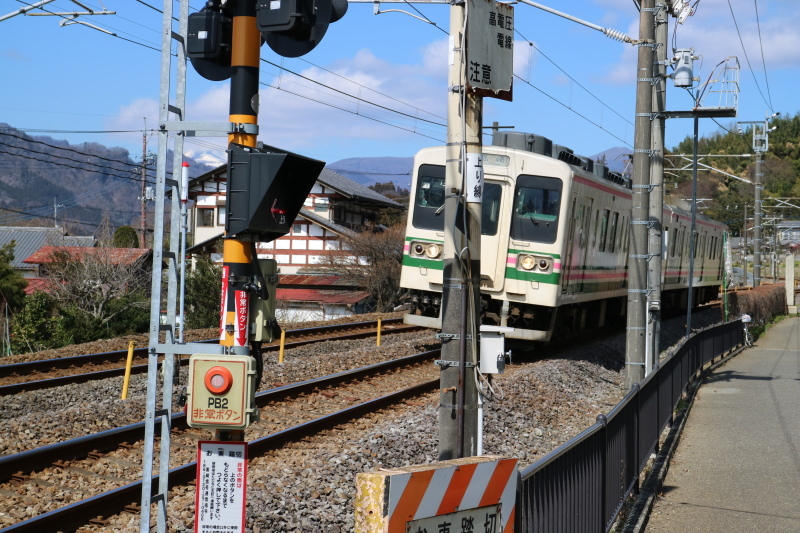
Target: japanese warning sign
point(467, 495)
point(221, 487)
point(490, 48)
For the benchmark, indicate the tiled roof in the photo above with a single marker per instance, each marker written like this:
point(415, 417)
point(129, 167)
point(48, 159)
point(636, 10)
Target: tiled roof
point(326, 297)
point(312, 280)
point(352, 189)
point(334, 180)
point(324, 222)
point(29, 240)
point(38, 285)
point(117, 256)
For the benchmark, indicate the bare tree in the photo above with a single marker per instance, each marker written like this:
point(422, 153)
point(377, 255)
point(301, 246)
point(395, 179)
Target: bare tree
point(92, 279)
point(372, 259)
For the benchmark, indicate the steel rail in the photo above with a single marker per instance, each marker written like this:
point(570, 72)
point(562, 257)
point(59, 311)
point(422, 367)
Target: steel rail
point(79, 448)
point(76, 515)
point(16, 388)
point(121, 355)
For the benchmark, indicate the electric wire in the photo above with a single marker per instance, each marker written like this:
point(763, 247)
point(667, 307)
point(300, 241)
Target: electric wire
point(531, 43)
point(72, 166)
point(89, 163)
point(763, 60)
point(752, 73)
point(349, 111)
point(370, 89)
point(358, 98)
point(94, 28)
point(587, 119)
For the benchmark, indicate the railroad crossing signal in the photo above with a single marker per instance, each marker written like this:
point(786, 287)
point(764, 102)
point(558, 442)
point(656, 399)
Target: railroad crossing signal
point(221, 393)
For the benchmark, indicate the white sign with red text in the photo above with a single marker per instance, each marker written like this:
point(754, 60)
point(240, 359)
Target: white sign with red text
point(221, 487)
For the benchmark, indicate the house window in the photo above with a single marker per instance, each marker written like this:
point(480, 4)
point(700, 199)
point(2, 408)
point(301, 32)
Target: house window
point(205, 216)
point(220, 216)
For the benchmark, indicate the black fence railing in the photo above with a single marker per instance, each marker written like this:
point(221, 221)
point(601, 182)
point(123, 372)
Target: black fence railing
point(582, 485)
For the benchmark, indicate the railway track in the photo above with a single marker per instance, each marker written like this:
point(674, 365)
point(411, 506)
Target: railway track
point(289, 413)
point(32, 375)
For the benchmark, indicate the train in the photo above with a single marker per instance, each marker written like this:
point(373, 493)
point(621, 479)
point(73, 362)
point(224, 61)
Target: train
point(554, 244)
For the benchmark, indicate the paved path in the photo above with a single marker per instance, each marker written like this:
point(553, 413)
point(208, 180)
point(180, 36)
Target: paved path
point(737, 466)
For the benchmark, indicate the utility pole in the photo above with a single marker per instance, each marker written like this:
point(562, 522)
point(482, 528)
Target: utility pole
point(636, 338)
point(656, 229)
point(56, 205)
point(744, 248)
point(757, 213)
point(458, 397)
point(761, 131)
point(143, 208)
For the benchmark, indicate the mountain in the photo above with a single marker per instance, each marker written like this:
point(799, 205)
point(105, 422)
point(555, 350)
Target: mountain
point(46, 181)
point(371, 170)
point(616, 159)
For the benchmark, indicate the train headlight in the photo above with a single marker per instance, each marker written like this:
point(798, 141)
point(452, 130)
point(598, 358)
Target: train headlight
point(527, 262)
point(433, 251)
point(535, 262)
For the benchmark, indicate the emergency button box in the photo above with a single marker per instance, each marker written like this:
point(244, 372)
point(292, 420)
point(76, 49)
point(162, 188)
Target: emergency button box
point(221, 393)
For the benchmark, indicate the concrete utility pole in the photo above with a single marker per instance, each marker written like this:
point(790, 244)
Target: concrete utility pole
point(757, 213)
point(761, 131)
point(656, 230)
point(636, 339)
point(143, 209)
point(237, 258)
point(458, 397)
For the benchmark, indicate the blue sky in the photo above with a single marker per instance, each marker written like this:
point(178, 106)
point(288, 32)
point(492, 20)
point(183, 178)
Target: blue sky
point(577, 87)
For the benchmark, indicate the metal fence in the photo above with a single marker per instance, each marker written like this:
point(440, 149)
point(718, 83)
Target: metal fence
point(581, 486)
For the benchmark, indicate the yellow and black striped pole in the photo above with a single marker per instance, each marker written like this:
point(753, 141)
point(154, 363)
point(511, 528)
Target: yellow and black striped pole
point(237, 258)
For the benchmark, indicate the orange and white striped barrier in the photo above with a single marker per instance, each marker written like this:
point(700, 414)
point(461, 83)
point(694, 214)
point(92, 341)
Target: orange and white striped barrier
point(469, 494)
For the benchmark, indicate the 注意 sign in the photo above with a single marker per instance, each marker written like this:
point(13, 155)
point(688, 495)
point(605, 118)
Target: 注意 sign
point(490, 48)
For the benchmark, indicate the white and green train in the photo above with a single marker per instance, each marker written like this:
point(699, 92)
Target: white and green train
point(554, 245)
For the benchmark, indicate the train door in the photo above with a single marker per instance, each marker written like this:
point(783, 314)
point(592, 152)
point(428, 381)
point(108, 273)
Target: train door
point(570, 245)
point(494, 243)
point(574, 268)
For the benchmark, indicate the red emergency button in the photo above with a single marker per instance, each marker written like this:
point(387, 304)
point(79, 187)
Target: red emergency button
point(218, 380)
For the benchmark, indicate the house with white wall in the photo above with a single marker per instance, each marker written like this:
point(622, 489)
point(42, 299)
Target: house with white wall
point(335, 207)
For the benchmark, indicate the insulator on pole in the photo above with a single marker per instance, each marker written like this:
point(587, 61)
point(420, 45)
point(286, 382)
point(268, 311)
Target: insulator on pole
point(617, 35)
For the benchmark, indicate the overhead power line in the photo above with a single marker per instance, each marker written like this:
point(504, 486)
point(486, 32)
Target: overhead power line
point(741, 41)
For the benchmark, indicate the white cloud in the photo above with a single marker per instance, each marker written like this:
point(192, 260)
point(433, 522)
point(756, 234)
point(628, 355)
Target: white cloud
point(712, 33)
point(341, 109)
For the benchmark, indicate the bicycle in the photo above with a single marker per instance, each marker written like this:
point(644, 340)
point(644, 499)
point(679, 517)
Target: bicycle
point(748, 339)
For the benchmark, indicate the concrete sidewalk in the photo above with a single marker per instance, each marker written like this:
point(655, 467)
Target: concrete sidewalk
point(737, 466)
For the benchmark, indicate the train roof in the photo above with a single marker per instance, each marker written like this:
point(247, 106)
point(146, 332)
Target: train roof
point(684, 213)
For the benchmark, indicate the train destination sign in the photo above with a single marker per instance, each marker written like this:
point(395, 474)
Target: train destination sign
point(221, 487)
point(490, 49)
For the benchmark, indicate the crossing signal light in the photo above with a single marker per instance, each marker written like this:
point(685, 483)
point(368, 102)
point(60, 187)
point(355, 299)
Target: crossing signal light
point(266, 189)
point(208, 43)
point(293, 28)
point(221, 392)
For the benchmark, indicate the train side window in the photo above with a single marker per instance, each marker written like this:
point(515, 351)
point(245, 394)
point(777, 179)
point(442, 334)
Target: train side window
point(537, 203)
point(612, 233)
point(601, 245)
point(596, 233)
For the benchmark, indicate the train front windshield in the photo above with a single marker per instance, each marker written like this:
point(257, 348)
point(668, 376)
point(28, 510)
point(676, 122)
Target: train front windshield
point(537, 201)
point(429, 201)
